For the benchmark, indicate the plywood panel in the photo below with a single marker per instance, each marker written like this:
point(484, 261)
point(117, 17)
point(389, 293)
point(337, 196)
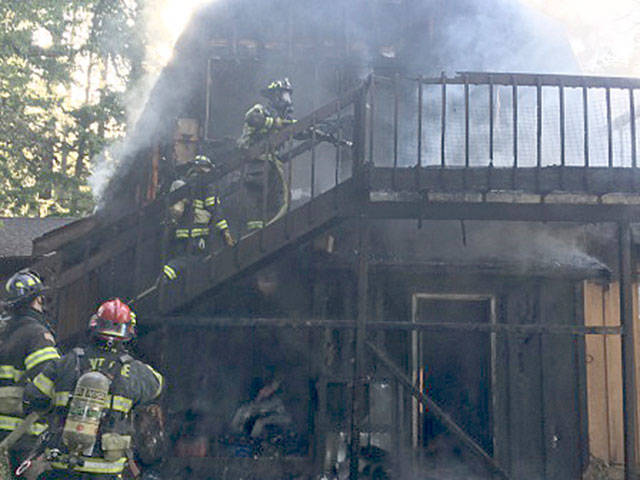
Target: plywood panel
point(596, 374)
point(604, 373)
point(613, 352)
point(636, 328)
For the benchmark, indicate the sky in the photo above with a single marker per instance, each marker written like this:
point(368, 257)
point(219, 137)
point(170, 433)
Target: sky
point(604, 34)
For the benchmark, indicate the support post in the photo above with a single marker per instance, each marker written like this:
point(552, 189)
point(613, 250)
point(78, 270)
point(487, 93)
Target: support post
point(358, 390)
point(628, 353)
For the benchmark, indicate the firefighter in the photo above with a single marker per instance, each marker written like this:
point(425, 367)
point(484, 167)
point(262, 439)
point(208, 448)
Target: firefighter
point(27, 346)
point(93, 391)
point(193, 217)
point(260, 121)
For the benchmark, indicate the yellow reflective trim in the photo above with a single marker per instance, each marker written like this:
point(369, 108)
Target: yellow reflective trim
point(222, 225)
point(212, 201)
point(121, 404)
point(31, 282)
point(268, 122)
point(160, 379)
point(198, 203)
point(44, 384)
point(19, 284)
point(94, 465)
point(41, 355)
point(61, 399)
point(9, 372)
point(11, 423)
point(253, 224)
point(169, 272)
point(199, 232)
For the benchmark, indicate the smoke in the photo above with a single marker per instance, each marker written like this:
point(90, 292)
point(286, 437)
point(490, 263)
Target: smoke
point(517, 248)
point(164, 21)
point(422, 38)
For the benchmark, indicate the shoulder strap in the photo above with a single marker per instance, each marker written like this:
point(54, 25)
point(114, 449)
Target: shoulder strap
point(125, 358)
point(79, 353)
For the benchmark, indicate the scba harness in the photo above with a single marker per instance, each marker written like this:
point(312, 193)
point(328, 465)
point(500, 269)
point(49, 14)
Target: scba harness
point(91, 409)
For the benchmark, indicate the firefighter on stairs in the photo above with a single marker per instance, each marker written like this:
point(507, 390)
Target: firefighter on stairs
point(260, 121)
point(193, 217)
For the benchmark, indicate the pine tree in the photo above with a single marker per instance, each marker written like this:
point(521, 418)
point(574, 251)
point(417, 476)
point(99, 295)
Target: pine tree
point(65, 66)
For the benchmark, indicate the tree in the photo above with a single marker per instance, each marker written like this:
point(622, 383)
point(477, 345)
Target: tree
point(64, 68)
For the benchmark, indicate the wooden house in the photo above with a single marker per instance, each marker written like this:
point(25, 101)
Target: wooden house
point(456, 289)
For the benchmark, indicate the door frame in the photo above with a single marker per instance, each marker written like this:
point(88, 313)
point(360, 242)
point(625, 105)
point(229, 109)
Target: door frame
point(415, 353)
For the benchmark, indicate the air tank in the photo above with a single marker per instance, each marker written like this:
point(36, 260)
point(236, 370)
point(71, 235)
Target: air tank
point(85, 412)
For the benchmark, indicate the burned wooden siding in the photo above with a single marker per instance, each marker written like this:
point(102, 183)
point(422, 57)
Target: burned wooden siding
point(537, 411)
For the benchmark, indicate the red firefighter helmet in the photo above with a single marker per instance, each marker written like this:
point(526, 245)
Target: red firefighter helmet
point(114, 320)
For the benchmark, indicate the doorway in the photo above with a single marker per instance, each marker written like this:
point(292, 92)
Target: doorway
point(454, 366)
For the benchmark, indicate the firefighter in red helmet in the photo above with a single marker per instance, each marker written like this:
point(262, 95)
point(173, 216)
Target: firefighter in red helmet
point(93, 391)
point(28, 346)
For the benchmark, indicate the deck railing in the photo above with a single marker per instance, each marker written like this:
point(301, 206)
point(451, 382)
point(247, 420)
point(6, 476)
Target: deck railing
point(503, 120)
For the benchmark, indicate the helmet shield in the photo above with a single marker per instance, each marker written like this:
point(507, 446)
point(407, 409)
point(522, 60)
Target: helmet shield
point(279, 94)
point(114, 320)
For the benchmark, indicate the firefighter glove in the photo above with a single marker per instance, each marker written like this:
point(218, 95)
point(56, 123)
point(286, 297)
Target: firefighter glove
point(228, 238)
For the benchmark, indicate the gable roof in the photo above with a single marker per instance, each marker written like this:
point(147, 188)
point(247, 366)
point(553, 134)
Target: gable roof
point(17, 233)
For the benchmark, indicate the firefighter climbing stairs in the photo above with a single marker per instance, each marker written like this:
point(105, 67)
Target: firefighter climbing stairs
point(139, 242)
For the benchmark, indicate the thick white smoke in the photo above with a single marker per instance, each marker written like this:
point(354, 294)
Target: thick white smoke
point(165, 20)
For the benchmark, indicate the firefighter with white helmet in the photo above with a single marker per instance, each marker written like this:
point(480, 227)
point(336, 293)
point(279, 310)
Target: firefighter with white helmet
point(194, 218)
point(93, 391)
point(259, 121)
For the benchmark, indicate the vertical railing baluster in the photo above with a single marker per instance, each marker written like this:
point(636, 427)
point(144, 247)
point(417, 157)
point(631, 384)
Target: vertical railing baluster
point(491, 120)
point(609, 128)
point(466, 121)
point(562, 125)
point(287, 223)
point(491, 127)
point(632, 125)
point(336, 173)
point(396, 109)
point(419, 169)
point(538, 131)
point(562, 133)
point(313, 170)
point(585, 115)
point(443, 119)
point(466, 131)
point(265, 191)
point(372, 93)
point(514, 121)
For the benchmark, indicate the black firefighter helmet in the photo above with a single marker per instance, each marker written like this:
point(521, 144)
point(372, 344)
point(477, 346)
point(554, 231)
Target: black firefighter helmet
point(23, 287)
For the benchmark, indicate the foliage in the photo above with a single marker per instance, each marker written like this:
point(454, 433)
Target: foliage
point(65, 66)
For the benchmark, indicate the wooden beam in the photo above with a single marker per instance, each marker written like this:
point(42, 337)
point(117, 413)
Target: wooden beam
point(437, 411)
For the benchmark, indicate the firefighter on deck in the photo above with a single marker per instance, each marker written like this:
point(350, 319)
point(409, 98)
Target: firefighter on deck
point(193, 217)
point(27, 347)
point(93, 391)
point(259, 122)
